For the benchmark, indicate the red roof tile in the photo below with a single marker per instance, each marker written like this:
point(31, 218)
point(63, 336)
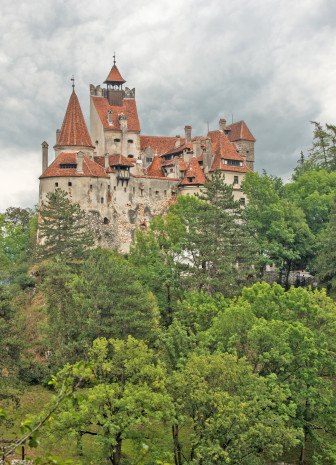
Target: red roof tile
point(74, 131)
point(194, 174)
point(154, 177)
point(115, 160)
point(154, 169)
point(223, 149)
point(239, 131)
point(114, 76)
point(90, 168)
point(128, 108)
point(183, 165)
point(159, 145)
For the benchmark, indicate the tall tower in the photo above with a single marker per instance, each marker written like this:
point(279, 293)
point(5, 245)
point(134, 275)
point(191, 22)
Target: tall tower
point(114, 83)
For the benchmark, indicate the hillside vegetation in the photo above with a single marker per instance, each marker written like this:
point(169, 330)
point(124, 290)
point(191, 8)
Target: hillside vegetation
point(178, 352)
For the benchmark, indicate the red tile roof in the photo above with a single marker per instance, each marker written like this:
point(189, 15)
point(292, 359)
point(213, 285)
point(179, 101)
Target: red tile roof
point(116, 160)
point(114, 76)
point(154, 169)
point(183, 165)
point(223, 149)
point(193, 172)
point(159, 145)
point(74, 131)
point(90, 168)
point(165, 178)
point(128, 108)
point(239, 131)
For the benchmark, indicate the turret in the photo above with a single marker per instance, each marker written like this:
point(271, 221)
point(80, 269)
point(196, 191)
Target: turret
point(44, 156)
point(114, 82)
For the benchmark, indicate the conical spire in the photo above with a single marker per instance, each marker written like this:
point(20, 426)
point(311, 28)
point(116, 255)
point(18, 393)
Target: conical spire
point(74, 131)
point(114, 77)
point(155, 168)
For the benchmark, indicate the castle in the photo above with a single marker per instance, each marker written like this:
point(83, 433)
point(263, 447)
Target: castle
point(123, 179)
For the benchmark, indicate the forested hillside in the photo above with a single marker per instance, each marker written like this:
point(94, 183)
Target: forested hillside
point(178, 352)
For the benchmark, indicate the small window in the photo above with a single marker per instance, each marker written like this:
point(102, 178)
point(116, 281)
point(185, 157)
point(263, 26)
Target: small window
point(116, 140)
point(171, 170)
point(69, 183)
point(157, 192)
point(133, 190)
point(96, 142)
point(190, 179)
point(65, 166)
point(124, 189)
point(141, 192)
point(149, 159)
point(91, 187)
point(130, 141)
point(235, 180)
point(102, 200)
point(165, 193)
point(108, 187)
point(130, 156)
point(56, 184)
point(242, 200)
point(114, 188)
point(106, 220)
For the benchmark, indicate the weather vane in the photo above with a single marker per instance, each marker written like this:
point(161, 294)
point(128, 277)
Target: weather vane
point(73, 82)
point(114, 61)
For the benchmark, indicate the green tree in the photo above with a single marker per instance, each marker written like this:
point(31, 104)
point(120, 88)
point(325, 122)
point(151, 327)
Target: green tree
point(216, 248)
point(101, 298)
point(62, 230)
point(129, 393)
point(314, 192)
point(237, 416)
point(287, 337)
point(280, 227)
point(325, 262)
point(155, 255)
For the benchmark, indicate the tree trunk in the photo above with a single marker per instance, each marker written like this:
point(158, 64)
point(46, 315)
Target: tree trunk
point(303, 449)
point(116, 451)
point(177, 445)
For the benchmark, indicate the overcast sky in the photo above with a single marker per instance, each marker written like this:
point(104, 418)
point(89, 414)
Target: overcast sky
point(268, 62)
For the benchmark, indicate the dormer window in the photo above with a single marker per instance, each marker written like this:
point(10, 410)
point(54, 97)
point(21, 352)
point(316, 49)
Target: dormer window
point(233, 162)
point(65, 166)
point(190, 179)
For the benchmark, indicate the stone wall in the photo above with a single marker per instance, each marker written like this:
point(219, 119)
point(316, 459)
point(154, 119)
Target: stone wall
point(246, 149)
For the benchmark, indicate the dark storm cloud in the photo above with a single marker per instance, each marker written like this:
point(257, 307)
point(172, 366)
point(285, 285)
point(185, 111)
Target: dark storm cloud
point(267, 62)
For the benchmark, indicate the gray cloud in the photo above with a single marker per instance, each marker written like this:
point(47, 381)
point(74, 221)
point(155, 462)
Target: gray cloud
point(192, 62)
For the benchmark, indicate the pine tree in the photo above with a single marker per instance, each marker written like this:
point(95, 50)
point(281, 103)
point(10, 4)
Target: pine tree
point(217, 247)
point(62, 229)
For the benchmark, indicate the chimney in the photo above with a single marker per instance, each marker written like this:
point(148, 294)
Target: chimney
point(138, 168)
point(107, 160)
point(109, 117)
point(187, 131)
point(177, 141)
point(80, 160)
point(124, 134)
point(177, 166)
point(197, 147)
point(44, 156)
point(222, 124)
point(58, 133)
point(207, 156)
